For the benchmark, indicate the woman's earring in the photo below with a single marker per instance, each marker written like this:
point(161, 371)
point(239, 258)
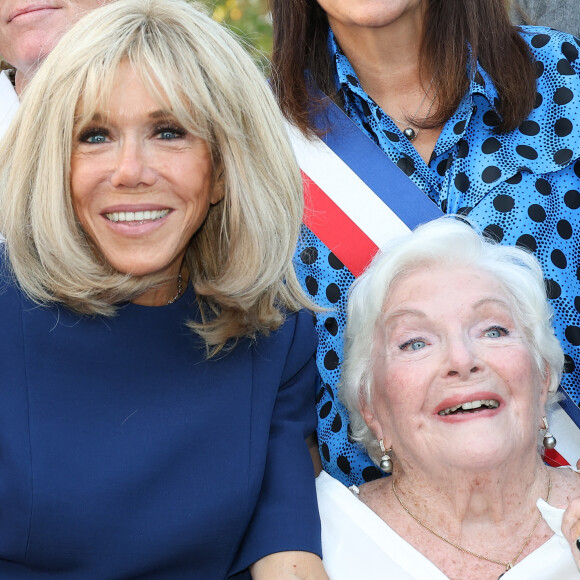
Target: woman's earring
point(386, 463)
point(549, 440)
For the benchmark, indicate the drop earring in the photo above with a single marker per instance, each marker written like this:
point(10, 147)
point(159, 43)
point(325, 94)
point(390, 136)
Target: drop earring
point(549, 441)
point(386, 463)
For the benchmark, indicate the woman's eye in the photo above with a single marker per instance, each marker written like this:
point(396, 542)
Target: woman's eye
point(94, 136)
point(96, 139)
point(496, 332)
point(414, 344)
point(169, 133)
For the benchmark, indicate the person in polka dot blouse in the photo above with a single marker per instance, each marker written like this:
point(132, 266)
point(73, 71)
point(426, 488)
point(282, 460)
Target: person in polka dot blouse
point(514, 169)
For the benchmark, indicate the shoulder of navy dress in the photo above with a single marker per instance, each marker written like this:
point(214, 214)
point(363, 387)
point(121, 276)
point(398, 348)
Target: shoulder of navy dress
point(286, 516)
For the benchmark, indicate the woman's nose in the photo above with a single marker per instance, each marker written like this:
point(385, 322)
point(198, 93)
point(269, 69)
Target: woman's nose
point(461, 360)
point(132, 167)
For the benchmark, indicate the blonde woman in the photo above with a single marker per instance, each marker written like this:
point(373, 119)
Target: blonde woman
point(157, 373)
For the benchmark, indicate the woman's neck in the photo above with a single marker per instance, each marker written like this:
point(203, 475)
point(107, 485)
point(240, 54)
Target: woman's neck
point(387, 63)
point(19, 82)
point(22, 78)
point(492, 514)
point(166, 292)
point(385, 59)
point(475, 498)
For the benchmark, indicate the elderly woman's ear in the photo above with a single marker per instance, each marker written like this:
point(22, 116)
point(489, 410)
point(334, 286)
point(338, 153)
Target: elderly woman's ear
point(370, 419)
point(546, 384)
point(545, 392)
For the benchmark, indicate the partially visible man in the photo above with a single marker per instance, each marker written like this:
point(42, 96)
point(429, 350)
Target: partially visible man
point(29, 30)
point(560, 14)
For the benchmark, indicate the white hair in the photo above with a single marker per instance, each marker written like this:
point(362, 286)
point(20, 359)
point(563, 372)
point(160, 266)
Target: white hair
point(451, 243)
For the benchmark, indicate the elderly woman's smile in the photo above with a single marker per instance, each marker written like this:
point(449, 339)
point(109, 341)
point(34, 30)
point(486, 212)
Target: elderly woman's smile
point(470, 407)
point(452, 365)
point(141, 184)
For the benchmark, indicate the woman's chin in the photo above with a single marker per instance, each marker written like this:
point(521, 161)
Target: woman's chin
point(147, 263)
point(482, 443)
point(482, 451)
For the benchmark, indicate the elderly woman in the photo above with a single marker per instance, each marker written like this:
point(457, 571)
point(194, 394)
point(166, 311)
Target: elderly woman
point(432, 83)
point(157, 374)
point(28, 32)
point(450, 364)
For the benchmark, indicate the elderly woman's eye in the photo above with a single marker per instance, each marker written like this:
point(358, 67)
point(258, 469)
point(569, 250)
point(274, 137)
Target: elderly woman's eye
point(414, 344)
point(496, 332)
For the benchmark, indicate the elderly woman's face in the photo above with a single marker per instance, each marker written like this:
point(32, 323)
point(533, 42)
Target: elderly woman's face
point(29, 29)
point(141, 185)
point(454, 381)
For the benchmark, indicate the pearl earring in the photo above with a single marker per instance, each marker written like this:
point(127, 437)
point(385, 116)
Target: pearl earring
point(386, 463)
point(549, 441)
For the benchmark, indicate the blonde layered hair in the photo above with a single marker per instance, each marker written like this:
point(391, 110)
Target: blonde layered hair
point(240, 258)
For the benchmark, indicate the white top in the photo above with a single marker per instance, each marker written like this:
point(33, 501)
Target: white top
point(8, 102)
point(357, 543)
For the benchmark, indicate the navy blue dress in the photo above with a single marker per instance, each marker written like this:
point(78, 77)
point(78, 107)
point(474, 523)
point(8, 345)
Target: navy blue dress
point(125, 454)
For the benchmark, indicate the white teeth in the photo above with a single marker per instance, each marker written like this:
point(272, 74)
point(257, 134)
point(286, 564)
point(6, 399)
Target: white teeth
point(489, 403)
point(137, 216)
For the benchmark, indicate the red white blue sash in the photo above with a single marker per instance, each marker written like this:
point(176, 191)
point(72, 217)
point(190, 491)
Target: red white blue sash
point(356, 198)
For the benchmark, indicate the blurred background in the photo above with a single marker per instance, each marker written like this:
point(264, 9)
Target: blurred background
point(250, 20)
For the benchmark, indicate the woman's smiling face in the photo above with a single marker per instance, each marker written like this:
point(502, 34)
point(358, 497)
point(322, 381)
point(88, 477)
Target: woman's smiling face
point(454, 380)
point(141, 184)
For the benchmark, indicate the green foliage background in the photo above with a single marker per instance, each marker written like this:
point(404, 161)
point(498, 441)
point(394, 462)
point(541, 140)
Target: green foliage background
point(250, 20)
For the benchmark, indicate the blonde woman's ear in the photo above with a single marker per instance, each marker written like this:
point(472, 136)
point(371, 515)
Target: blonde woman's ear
point(218, 188)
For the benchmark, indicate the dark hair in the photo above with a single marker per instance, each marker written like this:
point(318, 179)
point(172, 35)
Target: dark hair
point(300, 56)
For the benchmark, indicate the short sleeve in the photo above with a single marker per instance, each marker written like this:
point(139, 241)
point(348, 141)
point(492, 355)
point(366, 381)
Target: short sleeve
point(286, 516)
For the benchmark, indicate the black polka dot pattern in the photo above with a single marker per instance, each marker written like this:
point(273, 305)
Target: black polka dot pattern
point(319, 268)
point(491, 145)
point(311, 285)
point(521, 188)
point(333, 293)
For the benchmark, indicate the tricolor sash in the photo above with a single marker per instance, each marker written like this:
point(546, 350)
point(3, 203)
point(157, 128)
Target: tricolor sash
point(356, 199)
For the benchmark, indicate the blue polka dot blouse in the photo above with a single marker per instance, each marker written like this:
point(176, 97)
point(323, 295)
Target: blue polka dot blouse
point(522, 187)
